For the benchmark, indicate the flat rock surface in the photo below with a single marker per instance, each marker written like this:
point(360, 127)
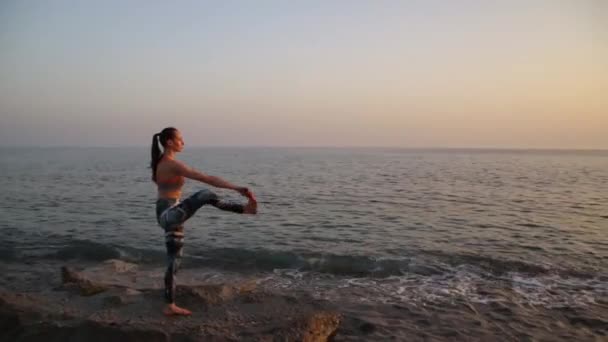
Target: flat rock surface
point(92, 306)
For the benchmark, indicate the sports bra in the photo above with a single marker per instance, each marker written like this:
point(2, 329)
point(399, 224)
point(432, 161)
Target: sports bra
point(170, 184)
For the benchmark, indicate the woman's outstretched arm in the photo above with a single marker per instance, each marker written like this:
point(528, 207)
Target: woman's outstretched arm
point(189, 172)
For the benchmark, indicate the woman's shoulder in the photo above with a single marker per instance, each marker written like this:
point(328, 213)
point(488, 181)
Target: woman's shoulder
point(168, 161)
point(171, 166)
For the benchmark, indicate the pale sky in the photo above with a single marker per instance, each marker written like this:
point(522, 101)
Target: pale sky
point(427, 73)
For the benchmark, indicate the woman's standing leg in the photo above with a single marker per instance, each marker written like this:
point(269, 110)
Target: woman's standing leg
point(174, 241)
point(172, 220)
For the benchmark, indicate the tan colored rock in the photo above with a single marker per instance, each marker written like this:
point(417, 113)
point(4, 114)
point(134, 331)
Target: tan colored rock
point(85, 286)
point(123, 296)
point(320, 326)
point(69, 276)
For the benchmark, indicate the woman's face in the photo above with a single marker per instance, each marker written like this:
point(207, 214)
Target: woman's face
point(177, 143)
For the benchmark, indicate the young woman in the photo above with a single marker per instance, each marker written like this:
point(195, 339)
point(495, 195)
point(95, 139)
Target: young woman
point(168, 173)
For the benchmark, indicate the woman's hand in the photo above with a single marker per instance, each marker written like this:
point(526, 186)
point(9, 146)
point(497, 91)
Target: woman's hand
point(250, 196)
point(244, 191)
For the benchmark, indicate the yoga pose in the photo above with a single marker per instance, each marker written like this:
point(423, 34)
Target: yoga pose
point(168, 173)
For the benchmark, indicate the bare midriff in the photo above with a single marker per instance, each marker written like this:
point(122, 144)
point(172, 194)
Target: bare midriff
point(170, 188)
point(175, 194)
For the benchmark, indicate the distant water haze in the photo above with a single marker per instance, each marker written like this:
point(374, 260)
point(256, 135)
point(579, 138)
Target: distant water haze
point(503, 74)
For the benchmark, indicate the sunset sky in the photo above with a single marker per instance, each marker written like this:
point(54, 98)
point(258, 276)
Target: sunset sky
point(501, 74)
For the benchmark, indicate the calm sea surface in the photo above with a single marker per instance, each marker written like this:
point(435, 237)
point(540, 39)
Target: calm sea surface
point(375, 226)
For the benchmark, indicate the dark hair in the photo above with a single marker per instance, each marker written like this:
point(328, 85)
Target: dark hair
point(162, 137)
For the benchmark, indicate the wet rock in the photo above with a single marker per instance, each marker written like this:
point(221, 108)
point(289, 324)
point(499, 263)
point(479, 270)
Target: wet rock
point(84, 286)
point(124, 296)
point(82, 331)
point(69, 276)
point(114, 265)
point(367, 328)
point(215, 294)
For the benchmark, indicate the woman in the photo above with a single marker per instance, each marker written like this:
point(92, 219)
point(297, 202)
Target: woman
point(169, 173)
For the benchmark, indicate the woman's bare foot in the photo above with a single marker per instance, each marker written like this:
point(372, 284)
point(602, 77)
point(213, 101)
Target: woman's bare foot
point(174, 310)
point(251, 207)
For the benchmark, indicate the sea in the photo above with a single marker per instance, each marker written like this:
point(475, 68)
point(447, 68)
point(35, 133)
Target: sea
point(440, 243)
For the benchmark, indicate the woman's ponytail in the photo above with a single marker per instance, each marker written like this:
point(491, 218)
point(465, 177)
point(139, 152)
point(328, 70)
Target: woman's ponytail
point(160, 139)
point(156, 154)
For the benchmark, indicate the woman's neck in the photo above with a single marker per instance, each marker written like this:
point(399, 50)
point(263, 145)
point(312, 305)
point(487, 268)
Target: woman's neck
point(169, 154)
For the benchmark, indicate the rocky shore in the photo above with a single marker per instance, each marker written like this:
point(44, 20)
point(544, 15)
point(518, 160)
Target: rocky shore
point(122, 308)
point(119, 301)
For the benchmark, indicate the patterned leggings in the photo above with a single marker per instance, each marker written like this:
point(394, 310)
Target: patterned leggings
point(171, 215)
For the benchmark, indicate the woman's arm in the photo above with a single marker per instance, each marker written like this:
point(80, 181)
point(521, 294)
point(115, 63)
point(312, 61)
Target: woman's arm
point(188, 172)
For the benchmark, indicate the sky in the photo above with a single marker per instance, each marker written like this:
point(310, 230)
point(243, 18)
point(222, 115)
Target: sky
point(481, 74)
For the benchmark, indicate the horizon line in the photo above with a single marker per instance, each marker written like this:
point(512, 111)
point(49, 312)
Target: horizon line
point(515, 148)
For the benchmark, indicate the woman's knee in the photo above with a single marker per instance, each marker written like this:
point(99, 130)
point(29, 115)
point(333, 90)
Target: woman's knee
point(206, 196)
point(193, 203)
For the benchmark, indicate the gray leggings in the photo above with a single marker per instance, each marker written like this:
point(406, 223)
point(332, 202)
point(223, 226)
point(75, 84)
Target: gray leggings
point(171, 215)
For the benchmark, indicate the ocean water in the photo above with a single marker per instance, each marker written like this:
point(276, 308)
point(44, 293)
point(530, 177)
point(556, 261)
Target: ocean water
point(363, 227)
